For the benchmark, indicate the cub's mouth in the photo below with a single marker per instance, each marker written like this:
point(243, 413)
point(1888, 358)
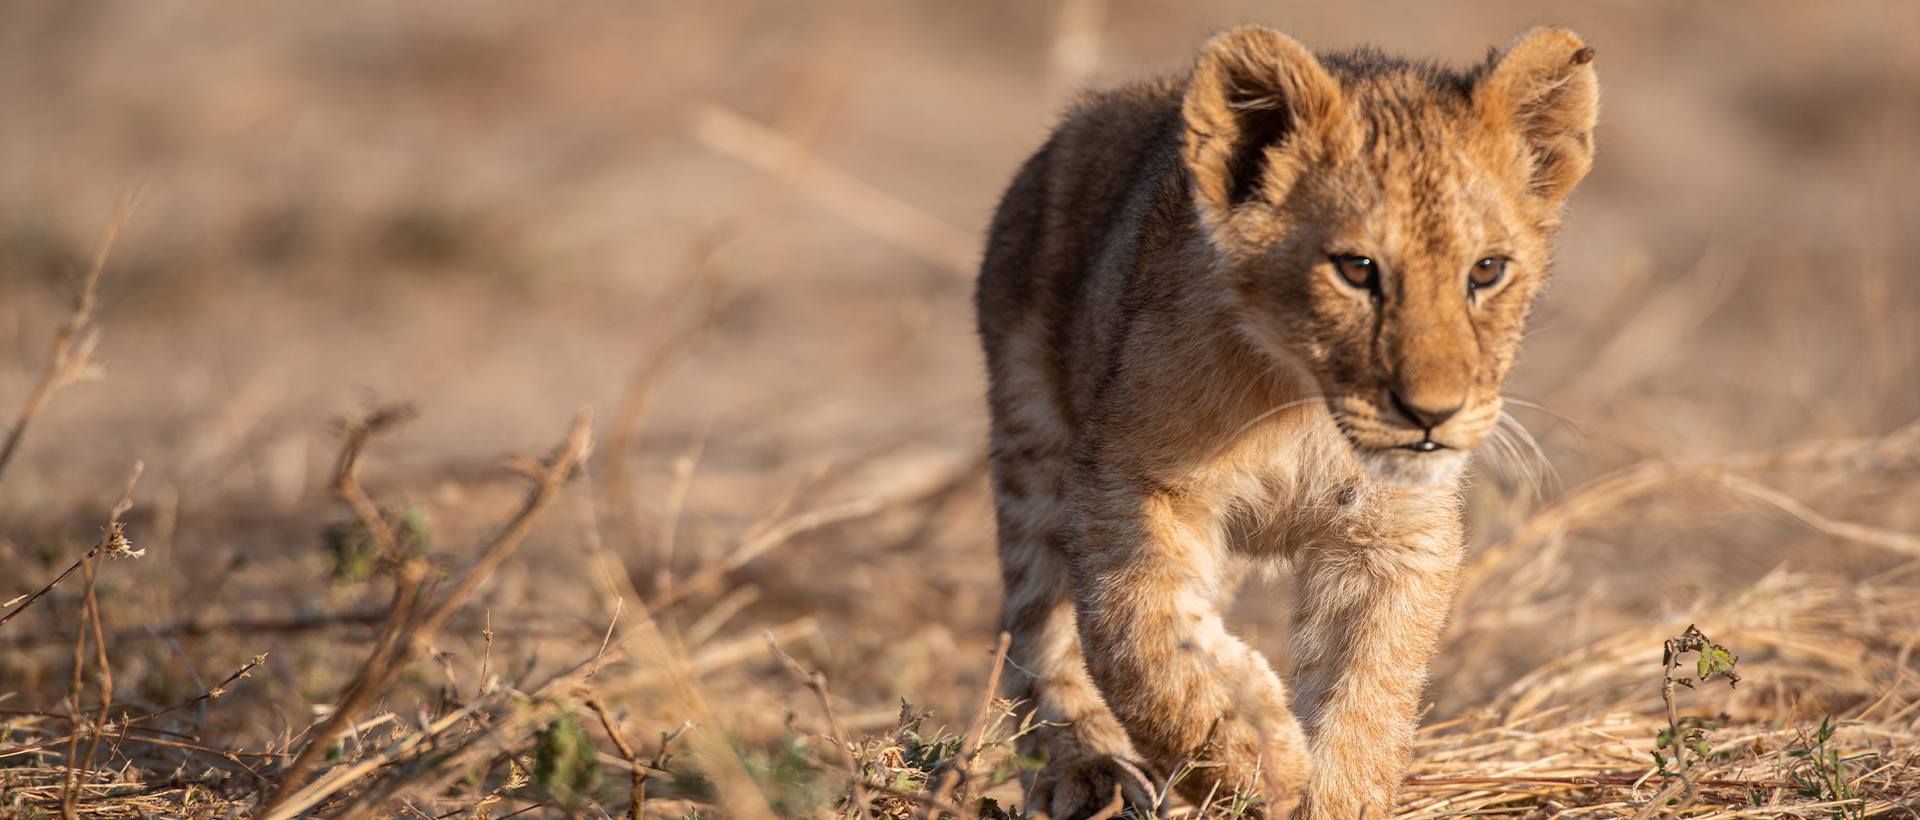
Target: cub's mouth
point(1423, 464)
point(1396, 450)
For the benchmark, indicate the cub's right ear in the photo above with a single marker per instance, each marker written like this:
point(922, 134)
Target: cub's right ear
point(1253, 87)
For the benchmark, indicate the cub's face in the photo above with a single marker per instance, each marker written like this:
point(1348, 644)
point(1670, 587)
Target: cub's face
point(1384, 227)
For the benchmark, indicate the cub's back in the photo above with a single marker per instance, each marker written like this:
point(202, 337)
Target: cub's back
point(1107, 182)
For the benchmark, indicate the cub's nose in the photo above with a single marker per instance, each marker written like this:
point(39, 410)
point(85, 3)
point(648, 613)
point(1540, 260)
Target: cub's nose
point(1426, 416)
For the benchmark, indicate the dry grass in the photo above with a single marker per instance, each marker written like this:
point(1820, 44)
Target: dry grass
point(736, 229)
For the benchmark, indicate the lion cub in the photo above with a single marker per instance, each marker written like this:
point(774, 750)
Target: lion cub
point(1259, 314)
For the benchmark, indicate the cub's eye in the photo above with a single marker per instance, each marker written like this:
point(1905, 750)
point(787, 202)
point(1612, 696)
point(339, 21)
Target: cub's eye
point(1359, 271)
point(1486, 273)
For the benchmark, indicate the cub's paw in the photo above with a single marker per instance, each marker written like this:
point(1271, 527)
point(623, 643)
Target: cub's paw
point(1271, 780)
point(1076, 788)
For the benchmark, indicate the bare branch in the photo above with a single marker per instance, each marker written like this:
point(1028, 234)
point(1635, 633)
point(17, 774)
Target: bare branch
point(71, 358)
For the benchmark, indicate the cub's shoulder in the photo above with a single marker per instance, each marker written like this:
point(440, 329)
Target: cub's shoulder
point(1111, 149)
point(1110, 139)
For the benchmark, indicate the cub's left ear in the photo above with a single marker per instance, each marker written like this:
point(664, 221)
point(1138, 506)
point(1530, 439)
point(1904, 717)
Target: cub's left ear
point(1544, 87)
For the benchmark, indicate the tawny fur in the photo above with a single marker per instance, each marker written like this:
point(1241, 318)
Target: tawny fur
point(1182, 384)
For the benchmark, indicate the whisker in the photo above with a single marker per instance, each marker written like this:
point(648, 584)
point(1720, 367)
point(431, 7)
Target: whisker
point(1332, 416)
point(1287, 406)
point(1503, 441)
point(1580, 429)
point(1510, 399)
point(1501, 456)
point(1263, 417)
point(1526, 471)
point(1553, 475)
point(1542, 467)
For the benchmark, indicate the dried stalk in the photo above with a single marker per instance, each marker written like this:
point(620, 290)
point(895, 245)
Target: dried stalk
point(638, 791)
point(817, 681)
point(411, 631)
point(667, 349)
point(772, 537)
point(113, 542)
point(962, 767)
point(683, 469)
point(71, 358)
point(865, 207)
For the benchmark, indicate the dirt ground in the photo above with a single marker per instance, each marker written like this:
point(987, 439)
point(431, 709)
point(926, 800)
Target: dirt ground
point(503, 212)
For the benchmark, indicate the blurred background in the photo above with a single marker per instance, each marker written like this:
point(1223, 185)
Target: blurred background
point(760, 217)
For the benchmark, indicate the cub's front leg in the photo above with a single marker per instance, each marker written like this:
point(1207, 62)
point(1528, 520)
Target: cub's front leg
point(1372, 599)
point(1150, 570)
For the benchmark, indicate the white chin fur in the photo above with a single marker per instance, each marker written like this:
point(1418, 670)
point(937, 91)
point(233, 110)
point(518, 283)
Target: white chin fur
point(1406, 468)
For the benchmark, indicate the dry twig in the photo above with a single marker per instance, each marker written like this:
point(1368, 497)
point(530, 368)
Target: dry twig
point(410, 632)
point(861, 205)
point(71, 358)
point(638, 791)
point(666, 350)
point(114, 543)
point(962, 768)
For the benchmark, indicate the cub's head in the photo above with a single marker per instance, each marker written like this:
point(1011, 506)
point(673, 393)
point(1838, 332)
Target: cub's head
point(1383, 225)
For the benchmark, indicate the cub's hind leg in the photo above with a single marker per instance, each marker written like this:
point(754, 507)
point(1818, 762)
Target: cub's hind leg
point(1048, 673)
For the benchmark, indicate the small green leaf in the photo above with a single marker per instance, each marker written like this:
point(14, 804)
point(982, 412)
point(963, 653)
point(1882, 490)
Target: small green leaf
point(1722, 659)
point(565, 763)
